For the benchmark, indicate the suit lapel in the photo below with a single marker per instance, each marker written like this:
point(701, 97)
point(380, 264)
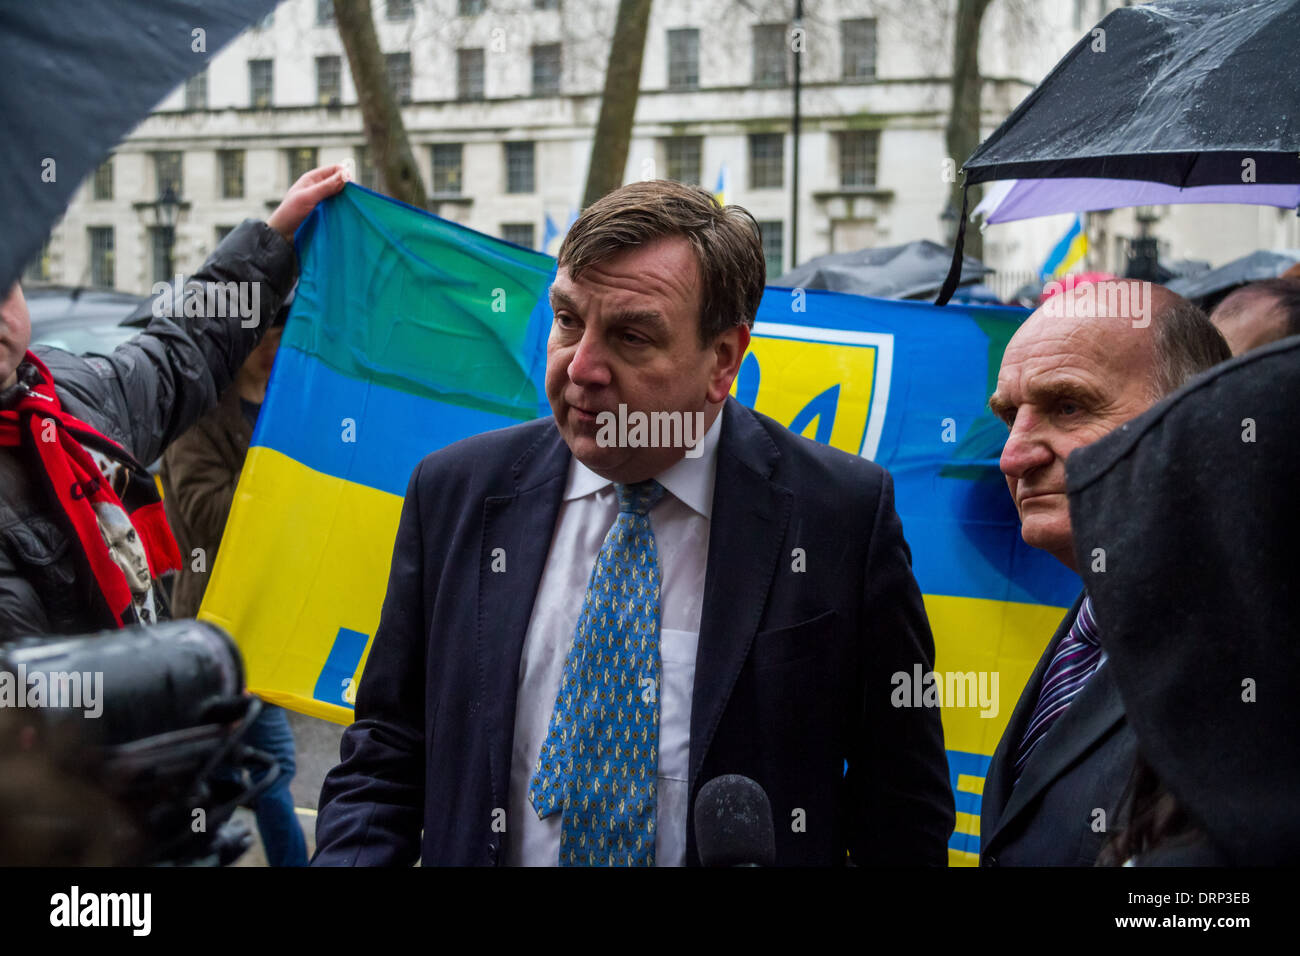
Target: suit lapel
point(1088, 718)
point(748, 523)
point(521, 525)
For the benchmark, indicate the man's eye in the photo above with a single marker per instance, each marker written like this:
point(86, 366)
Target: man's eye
point(1069, 408)
point(631, 338)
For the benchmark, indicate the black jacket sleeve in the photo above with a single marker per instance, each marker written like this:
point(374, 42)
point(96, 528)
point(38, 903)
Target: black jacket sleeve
point(902, 817)
point(156, 385)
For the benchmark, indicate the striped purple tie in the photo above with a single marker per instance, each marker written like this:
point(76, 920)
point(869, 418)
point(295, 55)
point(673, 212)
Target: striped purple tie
point(1076, 659)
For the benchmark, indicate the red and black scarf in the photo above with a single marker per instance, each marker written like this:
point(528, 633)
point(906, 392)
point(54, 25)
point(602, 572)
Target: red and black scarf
point(55, 442)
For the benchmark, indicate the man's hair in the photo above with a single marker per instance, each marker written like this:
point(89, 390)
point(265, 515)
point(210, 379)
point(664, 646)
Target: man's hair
point(1186, 344)
point(728, 249)
point(1283, 294)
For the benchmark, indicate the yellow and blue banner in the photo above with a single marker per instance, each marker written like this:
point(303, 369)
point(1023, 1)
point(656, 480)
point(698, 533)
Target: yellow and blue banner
point(1067, 253)
point(409, 332)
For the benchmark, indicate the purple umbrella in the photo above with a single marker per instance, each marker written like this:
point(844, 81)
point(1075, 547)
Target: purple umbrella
point(1026, 198)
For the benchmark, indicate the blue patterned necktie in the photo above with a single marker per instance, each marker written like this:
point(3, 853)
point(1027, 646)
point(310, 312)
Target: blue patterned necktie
point(1076, 659)
point(599, 763)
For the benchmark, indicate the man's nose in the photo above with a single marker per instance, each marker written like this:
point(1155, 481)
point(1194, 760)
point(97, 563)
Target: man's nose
point(1026, 447)
point(589, 366)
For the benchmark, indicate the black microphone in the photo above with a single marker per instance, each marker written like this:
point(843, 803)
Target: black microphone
point(733, 823)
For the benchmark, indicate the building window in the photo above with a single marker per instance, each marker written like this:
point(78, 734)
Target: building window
point(167, 173)
point(399, 9)
point(546, 69)
point(301, 160)
point(682, 157)
point(766, 161)
point(770, 54)
point(367, 175)
point(324, 13)
point(38, 270)
point(773, 236)
point(259, 83)
point(471, 8)
point(858, 40)
point(329, 80)
point(520, 233)
point(469, 74)
point(161, 239)
point(196, 91)
point(684, 59)
point(546, 4)
point(519, 167)
point(231, 167)
point(101, 256)
point(103, 184)
point(222, 232)
point(858, 155)
point(446, 160)
point(398, 67)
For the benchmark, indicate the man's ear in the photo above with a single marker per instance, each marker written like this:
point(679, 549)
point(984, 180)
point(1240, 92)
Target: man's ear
point(728, 349)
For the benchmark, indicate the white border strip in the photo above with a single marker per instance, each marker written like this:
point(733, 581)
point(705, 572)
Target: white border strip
point(884, 344)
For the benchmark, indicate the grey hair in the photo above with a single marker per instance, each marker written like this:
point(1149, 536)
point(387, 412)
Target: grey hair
point(1186, 344)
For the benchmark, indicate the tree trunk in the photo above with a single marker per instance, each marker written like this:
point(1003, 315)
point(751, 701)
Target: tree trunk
point(390, 150)
point(963, 133)
point(618, 104)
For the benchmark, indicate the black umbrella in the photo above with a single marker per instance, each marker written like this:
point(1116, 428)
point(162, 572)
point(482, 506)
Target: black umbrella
point(1260, 264)
point(78, 77)
point(890, 272)
point(1183, 92)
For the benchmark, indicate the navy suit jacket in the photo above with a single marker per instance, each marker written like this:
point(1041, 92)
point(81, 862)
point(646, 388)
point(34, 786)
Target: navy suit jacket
point(792, 673)
point(1080, 766)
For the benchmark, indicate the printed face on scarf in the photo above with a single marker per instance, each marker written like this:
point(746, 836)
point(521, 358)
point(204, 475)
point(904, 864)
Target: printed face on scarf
point(124, 545)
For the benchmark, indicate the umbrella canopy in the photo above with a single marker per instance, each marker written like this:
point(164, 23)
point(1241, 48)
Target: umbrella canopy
point(79, 77)
point(890, 272)
point(1009, 200)
point(1181, 92)
point(1188, 93)
point(1260, 264)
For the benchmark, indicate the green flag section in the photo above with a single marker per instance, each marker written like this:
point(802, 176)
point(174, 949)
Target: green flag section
point(409, 332)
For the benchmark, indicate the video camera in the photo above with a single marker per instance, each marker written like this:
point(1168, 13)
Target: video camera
point(128, 740)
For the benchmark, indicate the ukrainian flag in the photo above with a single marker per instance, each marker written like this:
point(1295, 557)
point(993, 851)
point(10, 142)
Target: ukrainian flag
point(1067, 253)
point(720, 187)
point(409, 332)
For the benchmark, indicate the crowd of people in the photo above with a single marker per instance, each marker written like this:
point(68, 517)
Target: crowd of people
point(650, 631)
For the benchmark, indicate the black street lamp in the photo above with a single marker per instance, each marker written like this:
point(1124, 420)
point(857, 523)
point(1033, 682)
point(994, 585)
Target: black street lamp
point(166, 211)
point(161, 215)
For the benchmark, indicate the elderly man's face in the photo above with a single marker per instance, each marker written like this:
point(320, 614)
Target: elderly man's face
point(15, 334)
point(1064, 383)
point(627, 332)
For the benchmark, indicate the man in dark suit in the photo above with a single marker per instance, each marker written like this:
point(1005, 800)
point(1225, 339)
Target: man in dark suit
point(1090, 359)
point(582, 628)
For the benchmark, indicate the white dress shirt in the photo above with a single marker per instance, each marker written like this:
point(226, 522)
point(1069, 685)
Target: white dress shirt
point(680, 521)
